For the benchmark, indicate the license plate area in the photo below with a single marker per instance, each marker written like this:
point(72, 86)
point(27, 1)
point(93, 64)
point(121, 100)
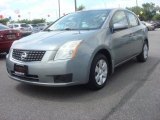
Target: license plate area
point(20, 70)
point(12, 36)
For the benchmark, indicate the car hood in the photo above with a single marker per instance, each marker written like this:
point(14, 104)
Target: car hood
point(50, 40)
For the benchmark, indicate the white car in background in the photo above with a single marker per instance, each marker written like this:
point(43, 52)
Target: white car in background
point(149, 26)
point(42, 26)
point(24, 28)
point(34, 28)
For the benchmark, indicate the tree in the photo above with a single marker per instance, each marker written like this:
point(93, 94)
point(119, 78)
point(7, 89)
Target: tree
point(149, 10)
point(138, 11)
point(156, 17)
point(24, 21)
point(4, 21)
point(81, 7)
point(35, 21)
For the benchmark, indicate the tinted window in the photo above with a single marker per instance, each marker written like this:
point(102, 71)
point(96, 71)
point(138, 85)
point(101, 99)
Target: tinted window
point(81, 20)
point(119, 19)
point(34, 25)
point(24, 25)
point(3, 27)
point(41, 25)
point(132, 19)
point(15, 25)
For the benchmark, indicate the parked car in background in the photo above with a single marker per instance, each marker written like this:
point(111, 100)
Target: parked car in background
point(42, 26)
point(80, 48)
point(155, 23)
point(34, 28)
point(149, 26)
point(7, 37)
point(24, 28)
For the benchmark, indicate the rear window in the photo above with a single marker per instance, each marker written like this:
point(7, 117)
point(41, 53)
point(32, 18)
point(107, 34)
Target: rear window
point(24, 25)
point(3, 27)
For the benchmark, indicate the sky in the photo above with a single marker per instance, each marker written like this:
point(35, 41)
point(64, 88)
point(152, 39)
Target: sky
point(48, 9)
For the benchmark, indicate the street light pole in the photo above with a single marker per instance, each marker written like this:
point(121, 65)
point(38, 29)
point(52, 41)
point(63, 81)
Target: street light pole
point(59, 7)
point(75, 2)
point(137, 3)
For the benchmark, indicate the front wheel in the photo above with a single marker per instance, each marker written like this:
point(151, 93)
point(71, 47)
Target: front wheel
point(143, 56)
point(98, 72)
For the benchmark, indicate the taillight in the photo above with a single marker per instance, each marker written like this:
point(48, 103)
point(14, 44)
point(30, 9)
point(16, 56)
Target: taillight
point(18, 34)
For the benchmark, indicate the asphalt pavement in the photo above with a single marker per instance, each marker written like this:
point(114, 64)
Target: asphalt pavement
point(132, 93)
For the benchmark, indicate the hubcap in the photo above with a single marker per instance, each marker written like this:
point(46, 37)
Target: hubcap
point(145, 51)
point(101, 72)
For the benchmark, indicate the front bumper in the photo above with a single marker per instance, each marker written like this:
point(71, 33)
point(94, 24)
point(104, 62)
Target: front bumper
point(45, 72)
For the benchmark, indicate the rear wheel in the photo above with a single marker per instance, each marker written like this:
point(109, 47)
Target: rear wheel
point(144, 54)
point(98, 72)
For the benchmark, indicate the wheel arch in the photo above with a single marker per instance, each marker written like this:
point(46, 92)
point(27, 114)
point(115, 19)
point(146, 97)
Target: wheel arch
point(146, 40)
point(105, 51)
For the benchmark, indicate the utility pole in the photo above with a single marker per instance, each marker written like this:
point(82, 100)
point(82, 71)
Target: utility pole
point(75, 2)
point(59, 6)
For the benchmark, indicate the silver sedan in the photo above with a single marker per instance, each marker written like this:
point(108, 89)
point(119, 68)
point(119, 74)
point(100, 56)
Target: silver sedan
point(80, 48)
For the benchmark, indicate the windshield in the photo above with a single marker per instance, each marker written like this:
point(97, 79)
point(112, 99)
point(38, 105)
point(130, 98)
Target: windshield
point(86, 20)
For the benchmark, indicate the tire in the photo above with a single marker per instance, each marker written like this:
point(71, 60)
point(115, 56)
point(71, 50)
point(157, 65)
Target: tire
point(143, 56)
point(98, 72)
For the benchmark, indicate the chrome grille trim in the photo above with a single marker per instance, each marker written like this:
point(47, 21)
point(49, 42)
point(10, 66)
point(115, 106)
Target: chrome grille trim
point(27, 55)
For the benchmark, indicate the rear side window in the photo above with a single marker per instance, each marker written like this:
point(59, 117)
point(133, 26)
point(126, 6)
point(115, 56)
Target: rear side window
point(120, 18)
point(132, 19)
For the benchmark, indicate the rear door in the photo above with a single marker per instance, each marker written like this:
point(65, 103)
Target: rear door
point(137, 33)
point(121, 38)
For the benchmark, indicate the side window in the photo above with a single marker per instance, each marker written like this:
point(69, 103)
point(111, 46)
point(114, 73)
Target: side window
point(119, 20)
point(15, 26)
point(132, 19)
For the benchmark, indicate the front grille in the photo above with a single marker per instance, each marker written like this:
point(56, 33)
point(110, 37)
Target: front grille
point(27, 55)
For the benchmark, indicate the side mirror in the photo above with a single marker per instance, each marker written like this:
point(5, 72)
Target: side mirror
point(118, 26)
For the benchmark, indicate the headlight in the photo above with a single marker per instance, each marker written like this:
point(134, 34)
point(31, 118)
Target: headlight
point(67, 50)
